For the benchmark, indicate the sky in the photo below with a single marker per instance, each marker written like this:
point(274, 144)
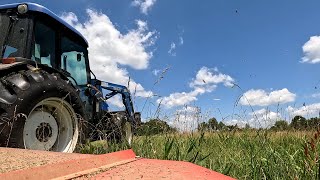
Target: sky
point(242, 62)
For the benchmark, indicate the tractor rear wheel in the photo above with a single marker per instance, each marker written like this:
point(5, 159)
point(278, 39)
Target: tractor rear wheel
point(51, 125)
point(39, 111)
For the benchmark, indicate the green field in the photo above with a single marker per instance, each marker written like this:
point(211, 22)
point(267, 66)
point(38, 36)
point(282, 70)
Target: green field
point(243, 155)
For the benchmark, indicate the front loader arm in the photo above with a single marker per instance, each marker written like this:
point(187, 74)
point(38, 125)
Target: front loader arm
point(114, 90)
point(125, 93)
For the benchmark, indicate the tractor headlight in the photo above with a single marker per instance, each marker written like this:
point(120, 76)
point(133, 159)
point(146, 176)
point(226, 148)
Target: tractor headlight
point(22, 8)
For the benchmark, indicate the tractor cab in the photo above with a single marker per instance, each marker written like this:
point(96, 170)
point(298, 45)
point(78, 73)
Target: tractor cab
point(32, 32)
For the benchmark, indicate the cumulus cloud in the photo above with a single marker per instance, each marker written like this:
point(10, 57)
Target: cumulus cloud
point(260, 97)
point(233, 122)
point(206, 76)
point(178, 99)
point(116, 101)
point(262, 118)
point(311, 50)
point(109, 49)
point(187, 118)
point(205, 81)
point(311, 110)
point(144, 5)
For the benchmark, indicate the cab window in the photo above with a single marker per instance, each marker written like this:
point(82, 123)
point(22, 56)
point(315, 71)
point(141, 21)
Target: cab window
point(44, 45)
point(73, 60)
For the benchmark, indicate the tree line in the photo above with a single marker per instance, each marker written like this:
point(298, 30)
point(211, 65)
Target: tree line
point(157, 126)
point(297, 123)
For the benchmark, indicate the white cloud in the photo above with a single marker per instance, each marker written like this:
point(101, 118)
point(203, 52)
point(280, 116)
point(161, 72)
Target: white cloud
point(178, 99)
point(316, 95)
point(116, 101)
point(311, 50)
point(172, 49)
point(144, 5)
point(176, 44)
point(206, 76)
point(156, 72)
point(233, 122)
point(206, 81)
point(311, 110)
point(262, 118)
point(109, 48)
point(217, 99)
point(260, 97)
point(181, 41)
point(187, 118)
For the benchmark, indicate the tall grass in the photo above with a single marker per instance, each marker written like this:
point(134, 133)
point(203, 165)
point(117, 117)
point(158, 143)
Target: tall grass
point(243, 155)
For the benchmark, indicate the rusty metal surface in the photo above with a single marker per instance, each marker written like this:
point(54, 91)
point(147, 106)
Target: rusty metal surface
point(159, 169)
point(117, 165)
point(12, 159)
point(65, 168)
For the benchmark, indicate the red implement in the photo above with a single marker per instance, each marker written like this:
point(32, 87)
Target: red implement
point(118, 165)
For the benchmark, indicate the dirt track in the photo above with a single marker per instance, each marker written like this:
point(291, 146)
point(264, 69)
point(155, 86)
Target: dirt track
point(15, 159)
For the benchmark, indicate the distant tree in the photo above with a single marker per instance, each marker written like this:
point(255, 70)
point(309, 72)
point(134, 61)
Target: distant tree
point(247, 126)
point(313, 123)
point(213, 124)
point(233, 127)
point(221, 126)
point(203, 126)
point(298, 123)
point(280, 125)
point(153, 127)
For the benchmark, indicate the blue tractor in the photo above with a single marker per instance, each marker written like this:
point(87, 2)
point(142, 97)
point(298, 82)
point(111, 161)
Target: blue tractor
point(48, 98)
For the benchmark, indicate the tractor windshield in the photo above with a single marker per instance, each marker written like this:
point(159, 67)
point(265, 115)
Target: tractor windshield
point(13, 34)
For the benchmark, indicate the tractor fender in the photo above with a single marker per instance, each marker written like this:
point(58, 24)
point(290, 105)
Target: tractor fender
point(23, 65)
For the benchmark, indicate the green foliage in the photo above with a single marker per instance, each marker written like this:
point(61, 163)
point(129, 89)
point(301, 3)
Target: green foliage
point(101, 147)
point(249, 154)
point(288, 152)
point(242, 155)
point(301, 123)
point(213, 123)
point(298, 122)
point(222, 126)
point(153, 127)
point(203, 126)
point(280, 125)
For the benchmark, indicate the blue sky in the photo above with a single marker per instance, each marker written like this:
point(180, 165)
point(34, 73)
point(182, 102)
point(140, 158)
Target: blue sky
point(258, 44)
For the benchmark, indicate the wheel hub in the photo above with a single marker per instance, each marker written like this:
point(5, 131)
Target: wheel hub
point(40, 131)
point(44, 132)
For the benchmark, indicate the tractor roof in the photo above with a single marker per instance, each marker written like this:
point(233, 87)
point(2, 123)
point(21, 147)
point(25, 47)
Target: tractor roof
point(38, 8)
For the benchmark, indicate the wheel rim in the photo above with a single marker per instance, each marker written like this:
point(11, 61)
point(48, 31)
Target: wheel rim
point(52, 125)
